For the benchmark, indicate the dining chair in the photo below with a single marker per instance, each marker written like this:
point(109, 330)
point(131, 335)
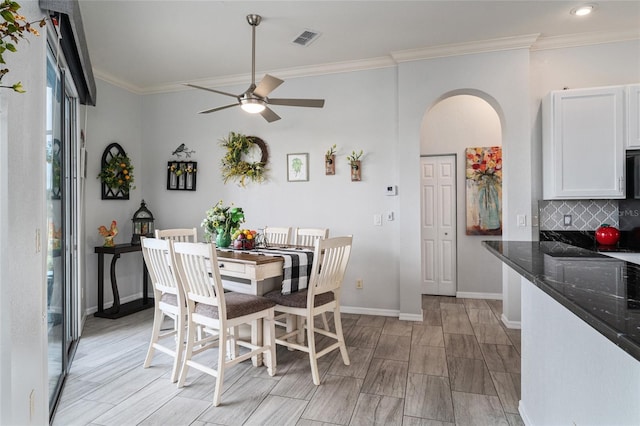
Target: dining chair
point(218, 313)
point(277, 236)
point(185, 235)
point(169, 301)
point(322, 295)
point(308, 236)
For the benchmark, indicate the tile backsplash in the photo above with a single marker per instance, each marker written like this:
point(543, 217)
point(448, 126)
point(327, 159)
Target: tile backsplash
point(586, 215)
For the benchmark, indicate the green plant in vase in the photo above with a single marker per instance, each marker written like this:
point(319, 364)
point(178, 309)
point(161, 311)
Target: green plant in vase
point(222, 221)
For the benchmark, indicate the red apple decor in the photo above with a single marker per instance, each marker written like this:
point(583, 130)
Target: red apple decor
point(607, 235)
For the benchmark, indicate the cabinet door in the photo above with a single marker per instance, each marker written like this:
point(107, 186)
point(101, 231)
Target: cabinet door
point(583, 145)
point(633, 116)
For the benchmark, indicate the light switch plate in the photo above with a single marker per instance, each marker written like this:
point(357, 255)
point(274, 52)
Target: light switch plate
point(377, 220)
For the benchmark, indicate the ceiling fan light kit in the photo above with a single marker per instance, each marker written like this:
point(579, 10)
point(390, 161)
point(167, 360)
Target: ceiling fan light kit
point(254, 100)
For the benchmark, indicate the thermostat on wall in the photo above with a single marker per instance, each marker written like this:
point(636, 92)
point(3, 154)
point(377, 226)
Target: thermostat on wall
point(391, 190)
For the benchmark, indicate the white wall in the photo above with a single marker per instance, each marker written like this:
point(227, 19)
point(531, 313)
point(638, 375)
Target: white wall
point(117, 117)
point(355, 117)
point(23, 331)
point(449, 127)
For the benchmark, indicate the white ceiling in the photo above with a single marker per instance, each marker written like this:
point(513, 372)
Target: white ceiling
point(152, 46)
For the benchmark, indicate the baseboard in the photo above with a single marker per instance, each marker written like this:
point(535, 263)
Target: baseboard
point(411, 317)
point(523, 414)
point(511, 324)
point(107, 303)
point(370, 311)
point(472, 295)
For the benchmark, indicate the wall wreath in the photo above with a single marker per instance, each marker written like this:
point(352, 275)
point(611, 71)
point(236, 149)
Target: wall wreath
point(233, 165)
point(116, 173)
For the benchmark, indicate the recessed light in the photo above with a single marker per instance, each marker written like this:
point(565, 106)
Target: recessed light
point(584, 10)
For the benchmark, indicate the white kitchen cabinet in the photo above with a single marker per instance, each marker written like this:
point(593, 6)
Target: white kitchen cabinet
point(583, 144)
point(632, 94)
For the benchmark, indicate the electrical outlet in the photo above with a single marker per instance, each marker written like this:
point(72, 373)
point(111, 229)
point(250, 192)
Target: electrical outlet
point(567, 220)
point(359, 283)
point(390, 216)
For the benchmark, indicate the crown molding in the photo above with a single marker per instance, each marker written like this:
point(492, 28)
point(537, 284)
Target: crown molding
point(285, 73)
point(533, 42)
point(456, 49)
point(585, 39)
point(117, 82)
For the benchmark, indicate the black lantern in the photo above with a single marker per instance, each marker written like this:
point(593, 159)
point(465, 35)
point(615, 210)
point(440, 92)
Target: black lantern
point(142, 224)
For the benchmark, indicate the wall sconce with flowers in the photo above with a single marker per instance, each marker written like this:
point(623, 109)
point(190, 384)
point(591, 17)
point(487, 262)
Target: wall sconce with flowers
point(330, 161)
point(354, 162)
point(181, 175)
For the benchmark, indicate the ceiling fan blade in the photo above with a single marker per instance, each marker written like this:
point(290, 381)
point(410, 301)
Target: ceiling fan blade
point(207, 111)
point(313, 103)
point(269, 115)
point(267, 85)
point(212, 90)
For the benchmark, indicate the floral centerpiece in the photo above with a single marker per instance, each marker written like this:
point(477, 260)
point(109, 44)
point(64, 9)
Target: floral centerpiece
point(244, 239)
point(222, 221)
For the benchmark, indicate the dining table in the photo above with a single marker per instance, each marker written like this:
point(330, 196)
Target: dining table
point(261, 270)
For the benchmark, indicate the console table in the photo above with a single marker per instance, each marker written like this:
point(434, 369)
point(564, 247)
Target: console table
point(118, 310)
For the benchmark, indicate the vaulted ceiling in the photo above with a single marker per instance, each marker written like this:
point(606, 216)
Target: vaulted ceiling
point(153, 46)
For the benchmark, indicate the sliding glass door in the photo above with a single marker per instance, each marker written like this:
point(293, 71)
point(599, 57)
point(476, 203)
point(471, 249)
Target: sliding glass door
point(62, 223)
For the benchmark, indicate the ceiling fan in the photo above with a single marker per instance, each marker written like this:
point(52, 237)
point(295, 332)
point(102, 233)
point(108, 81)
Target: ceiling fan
point(254, 100)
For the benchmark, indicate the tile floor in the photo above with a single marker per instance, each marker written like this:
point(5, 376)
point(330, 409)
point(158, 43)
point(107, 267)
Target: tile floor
point(460, 366)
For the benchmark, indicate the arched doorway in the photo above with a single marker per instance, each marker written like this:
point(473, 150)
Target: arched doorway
point(458, 121)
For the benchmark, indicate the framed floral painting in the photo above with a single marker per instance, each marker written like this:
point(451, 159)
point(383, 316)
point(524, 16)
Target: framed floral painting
point(484, 190)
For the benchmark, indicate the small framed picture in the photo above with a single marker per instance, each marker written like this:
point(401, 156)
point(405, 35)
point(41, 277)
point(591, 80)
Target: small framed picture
point(297, 167)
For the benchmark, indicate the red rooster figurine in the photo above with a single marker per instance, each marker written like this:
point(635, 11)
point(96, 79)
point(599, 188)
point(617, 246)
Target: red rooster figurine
point(108, 234)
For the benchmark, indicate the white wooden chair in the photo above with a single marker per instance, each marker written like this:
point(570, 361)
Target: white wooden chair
point(217, 312)
point(185, 235)
point(322, 295)
point(308, 236)
point(277, 236)
point(169, 300)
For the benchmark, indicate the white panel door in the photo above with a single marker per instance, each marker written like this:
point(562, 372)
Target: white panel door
point(438, 227)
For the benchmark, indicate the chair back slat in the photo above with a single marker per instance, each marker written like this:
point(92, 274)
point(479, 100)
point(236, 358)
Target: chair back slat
point(197, 266)
point(331, 257)
point(157, 257)
point(275, 236)
point(309, 236)
point(184, 235)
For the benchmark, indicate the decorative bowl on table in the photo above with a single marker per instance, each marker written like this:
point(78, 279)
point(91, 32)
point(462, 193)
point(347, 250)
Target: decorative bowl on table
point(244, 239)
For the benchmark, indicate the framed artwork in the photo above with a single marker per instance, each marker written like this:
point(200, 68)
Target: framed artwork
point(181, 175)
point(297, 167)
point(484, 190)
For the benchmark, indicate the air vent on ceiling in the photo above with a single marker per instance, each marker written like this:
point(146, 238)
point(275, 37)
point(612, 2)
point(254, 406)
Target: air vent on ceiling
point(306, 37)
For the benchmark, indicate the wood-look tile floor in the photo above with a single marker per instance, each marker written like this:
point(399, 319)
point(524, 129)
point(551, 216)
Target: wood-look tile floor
point(459, 366)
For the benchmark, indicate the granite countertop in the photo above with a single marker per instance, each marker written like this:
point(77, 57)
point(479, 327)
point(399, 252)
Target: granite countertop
point(601, 290)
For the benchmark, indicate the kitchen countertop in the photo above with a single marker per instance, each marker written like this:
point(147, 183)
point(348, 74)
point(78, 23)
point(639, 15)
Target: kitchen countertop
point(602, 291)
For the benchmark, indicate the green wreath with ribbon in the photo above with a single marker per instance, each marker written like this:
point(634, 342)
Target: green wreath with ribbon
point(233, 165)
